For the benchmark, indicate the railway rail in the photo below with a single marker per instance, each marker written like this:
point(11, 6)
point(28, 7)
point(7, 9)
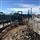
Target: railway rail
point(4, 30)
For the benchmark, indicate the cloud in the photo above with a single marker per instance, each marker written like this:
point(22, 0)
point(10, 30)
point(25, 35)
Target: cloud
point(21, 5)
point(18, 9)
point(36, 10)
point(24, 8)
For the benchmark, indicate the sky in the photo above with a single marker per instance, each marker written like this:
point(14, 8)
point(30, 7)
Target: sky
point(8, 6)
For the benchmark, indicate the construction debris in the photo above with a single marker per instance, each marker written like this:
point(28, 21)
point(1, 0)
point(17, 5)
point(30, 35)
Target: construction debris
point(23, 34)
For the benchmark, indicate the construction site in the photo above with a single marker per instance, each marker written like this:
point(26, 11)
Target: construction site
point(21, 27)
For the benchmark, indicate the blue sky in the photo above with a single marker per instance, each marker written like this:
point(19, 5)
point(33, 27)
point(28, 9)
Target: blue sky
point(12, 5)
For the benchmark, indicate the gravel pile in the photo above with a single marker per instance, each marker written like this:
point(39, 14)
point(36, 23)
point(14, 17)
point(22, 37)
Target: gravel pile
point(25, 34)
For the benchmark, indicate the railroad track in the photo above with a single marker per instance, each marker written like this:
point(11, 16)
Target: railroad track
point(4, 30)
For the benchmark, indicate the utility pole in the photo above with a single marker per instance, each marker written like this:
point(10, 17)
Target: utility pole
point(28, 15)
point(31, 13)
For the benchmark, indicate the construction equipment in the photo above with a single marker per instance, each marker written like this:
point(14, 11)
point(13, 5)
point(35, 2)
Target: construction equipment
point(20, 18)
